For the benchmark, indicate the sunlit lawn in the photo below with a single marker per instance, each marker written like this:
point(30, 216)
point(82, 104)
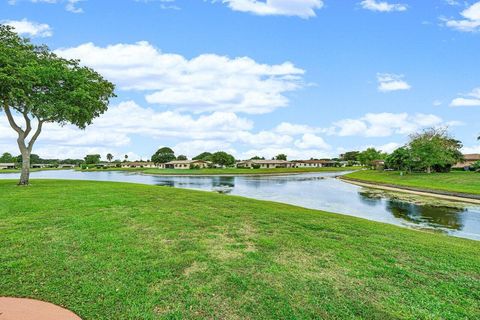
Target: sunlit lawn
point(455, 181)
point(126, 251)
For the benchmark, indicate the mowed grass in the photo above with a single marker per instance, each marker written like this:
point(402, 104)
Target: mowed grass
point(127, 251)
point(226, 171)
point(455, 181)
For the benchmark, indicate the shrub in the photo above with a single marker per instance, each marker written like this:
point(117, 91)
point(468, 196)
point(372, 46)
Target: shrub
point(255, 166)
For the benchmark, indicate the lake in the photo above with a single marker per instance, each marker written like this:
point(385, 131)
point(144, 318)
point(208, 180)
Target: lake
point(312, 190)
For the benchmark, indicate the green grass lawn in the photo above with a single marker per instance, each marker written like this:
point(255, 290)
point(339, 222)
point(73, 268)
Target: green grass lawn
point(227, 171)
point(455, 181)
point(127, 251)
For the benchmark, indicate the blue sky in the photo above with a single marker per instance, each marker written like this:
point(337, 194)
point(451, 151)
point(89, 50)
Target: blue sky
point(308, 78)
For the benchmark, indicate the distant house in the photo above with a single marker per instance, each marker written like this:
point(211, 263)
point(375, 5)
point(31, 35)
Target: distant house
point(265, 164)
point(66, 166)
point(139, 164)
point(315, 163)
point(470, 159)
point(378, 164)
point(4, 166)
point(41, 165)
point(185, 164)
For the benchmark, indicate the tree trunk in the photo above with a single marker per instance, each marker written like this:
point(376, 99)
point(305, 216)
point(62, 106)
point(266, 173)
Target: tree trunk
point(25, 176)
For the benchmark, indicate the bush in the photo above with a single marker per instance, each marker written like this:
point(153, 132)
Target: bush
point(475, 166)
point(255, 166)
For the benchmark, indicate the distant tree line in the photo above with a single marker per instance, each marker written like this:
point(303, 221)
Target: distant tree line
point(35, 159)
point(432, 150)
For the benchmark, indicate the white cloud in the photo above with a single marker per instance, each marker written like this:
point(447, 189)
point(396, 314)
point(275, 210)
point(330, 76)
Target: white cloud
point(70, 5)
point(195, 147)
point(300, 8)
point(385, 124)
point(471, 149)
point(205, 83)
point(164, 4)
point(292, 153)
point(296, 129)
point(28, 28)
point(471, 99)
point(311, 141)
point(388, 82)
point(382, 6)
point(470, 21)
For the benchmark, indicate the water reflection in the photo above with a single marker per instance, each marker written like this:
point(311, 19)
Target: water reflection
point(446, 217)
point(425, 214)
point(315, 190)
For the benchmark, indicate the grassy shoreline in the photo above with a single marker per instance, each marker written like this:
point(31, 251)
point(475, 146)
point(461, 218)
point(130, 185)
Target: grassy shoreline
point(460, 182)
point(128, 251)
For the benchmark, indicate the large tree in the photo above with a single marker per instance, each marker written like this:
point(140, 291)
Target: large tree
point(7, 158)
point(223, 159)
point(163, 155)
point(368, 157)
point(434, 149)
point(92, 159)
point(206, 156)
point(41, 88)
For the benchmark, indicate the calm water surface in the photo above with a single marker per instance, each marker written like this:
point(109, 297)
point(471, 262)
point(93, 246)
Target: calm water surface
point(313, 190)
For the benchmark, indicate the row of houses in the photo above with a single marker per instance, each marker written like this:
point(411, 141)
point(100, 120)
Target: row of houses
point(272, 164)
point(261, 164)
point(4, 166)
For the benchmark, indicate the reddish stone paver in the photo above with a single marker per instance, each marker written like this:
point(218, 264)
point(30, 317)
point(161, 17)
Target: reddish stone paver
point(29, 309)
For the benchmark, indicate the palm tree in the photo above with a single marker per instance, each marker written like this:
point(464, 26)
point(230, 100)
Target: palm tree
point(109, 157)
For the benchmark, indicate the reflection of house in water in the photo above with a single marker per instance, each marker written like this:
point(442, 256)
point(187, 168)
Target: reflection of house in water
point(433, 216)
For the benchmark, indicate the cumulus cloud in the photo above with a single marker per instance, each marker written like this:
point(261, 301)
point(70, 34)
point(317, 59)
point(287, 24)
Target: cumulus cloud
point(296, 129)
point(301, 8)
point(292, 153)
point(208, 82)
point(382, 6)
point(388, 82)
point(470, 21)
point(29, 28)
point(385, 124)
point(471, 99)
point(311, 141)
point(70, 5)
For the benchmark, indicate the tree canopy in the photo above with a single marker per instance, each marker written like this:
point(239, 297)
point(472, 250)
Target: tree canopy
point(281, 156)
point(368, 157)
point(42, 87)
point(182, 157)
point(434, 149)
point(7, 158)
point(223, 159)
point(206, 156)
point(163, 155)
point(92, 159)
